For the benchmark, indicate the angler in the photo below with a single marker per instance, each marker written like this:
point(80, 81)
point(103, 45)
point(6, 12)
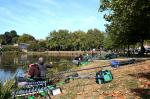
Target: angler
point(34, 82)
point(36, 72)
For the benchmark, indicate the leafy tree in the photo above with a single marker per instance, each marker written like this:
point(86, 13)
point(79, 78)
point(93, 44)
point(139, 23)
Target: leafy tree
point(2, 39)
point(58, 39)
point(33, 46)
point(95, 38)
point(10, 37)
point(26, 38)
point(14, 36)
point(129, 20)
point(77, 40)
point(42, 45)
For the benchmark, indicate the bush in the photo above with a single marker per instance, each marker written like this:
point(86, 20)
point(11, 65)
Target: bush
point(6, 89)
point(10, 48)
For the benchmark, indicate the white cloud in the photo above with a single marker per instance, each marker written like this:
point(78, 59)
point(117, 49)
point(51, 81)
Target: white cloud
point(38, 4)
point(51, 2)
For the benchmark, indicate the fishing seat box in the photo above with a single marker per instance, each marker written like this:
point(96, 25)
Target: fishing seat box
point(103, 76)
point(54, 90)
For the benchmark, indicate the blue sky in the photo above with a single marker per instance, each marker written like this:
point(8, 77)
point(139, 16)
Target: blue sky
point(39, 17)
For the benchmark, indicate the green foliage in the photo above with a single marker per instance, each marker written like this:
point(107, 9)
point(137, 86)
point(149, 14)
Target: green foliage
point(95, 38)
point(2, 39)
point(56, 40)
point(26, 38)
point(6, 89)
point(33, 46)
point(129, 20)
point(108, 43)
point(10, 48)
point(77, 40)
point(42, 45)
point(38, 46)
point(9, 37)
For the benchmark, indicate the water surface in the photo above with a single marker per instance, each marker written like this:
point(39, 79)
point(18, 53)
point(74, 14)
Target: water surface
point(15, 65)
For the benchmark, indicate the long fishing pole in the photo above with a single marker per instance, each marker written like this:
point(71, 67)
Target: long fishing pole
point(58, 76)
point(83, 69)
point(76, 76)
point(8, 65)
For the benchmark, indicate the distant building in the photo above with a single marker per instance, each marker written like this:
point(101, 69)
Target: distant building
point(23, 47)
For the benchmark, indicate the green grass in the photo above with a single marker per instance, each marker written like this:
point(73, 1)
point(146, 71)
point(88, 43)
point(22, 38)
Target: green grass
point(6, 89)
point(131, 83)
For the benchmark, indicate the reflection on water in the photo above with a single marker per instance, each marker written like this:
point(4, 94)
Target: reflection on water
point(4, 75)
point(11, 65)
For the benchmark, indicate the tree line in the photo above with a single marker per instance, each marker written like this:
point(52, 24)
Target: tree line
point(61, 40)
point(128, 25)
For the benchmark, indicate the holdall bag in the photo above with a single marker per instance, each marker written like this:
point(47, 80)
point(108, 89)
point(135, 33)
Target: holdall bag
point(103, 76)
point(115, 63)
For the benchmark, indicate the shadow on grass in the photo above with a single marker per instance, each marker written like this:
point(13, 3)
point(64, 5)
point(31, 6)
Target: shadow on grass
point(143, 93)
point(141, 75)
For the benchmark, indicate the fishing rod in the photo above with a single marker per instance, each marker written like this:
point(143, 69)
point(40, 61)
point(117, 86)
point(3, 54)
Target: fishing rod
point(77, 76)
point(72, 71)
point(8, 65)
point(57, 76)
point(69, 71)
point(62, 62)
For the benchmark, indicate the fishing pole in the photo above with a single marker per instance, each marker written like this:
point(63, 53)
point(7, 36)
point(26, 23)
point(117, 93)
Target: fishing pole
point(8, 65)
point(60, 75)
point(69, 71)
point(61, 62)
point(76, 76)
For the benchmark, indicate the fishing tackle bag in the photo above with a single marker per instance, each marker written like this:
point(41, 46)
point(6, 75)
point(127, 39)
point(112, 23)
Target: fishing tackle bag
point(103, 76)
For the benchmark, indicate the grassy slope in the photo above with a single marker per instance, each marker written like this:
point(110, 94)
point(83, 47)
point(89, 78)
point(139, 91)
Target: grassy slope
point(130, 82)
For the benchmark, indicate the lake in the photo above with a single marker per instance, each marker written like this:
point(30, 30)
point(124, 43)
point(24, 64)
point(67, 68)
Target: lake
point(12, 64)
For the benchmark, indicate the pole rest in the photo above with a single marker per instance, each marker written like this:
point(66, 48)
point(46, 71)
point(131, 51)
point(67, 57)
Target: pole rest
point(37, 88)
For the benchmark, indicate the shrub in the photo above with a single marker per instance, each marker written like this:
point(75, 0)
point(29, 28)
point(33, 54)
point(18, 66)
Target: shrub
point(6, 89)
point(10, 48)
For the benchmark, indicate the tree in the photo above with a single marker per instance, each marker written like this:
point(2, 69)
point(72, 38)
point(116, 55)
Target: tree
point(129, 20)
point(58, 39)
point(26, 38)
point(95, 38)
point(9, 37)
point(2, 39)
point(14, 36)
point(77, 40)
point(42, 45)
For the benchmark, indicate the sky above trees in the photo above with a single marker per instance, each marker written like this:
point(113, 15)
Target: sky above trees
point(39, 17)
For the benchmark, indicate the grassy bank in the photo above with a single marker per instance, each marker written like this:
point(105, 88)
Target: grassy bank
point(61, 53)
point(130, 82)
point(6, 89)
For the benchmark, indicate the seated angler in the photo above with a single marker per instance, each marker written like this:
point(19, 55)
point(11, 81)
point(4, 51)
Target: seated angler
point(34, 72)
point(43, 67)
